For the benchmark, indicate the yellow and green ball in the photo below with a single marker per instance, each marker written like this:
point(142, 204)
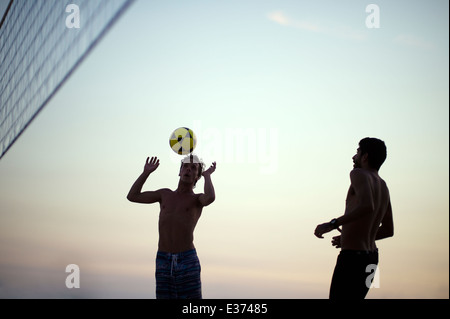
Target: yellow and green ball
point(183, 141)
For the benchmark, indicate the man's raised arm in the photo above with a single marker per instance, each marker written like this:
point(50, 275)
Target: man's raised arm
point(135, 194)
point(209, 195)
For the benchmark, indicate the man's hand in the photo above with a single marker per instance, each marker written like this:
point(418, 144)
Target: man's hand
point(323, 229)
point(135, 194)
point(152, 165)
point(336, 241)
point(210, 170)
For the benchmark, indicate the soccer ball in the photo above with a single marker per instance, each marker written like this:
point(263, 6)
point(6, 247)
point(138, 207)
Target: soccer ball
point(183, 141)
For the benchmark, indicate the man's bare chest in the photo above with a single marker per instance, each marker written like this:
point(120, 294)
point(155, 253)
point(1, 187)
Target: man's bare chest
point(180, 204)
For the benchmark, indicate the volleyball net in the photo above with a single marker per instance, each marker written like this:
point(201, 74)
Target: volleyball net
point(41, 43)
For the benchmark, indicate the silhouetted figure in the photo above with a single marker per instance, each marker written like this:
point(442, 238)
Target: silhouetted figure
point(177, 264)
point(367, 218)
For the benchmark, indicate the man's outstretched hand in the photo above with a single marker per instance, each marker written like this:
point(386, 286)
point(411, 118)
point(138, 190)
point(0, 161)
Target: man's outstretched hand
point(210, 170)
point(152, 165)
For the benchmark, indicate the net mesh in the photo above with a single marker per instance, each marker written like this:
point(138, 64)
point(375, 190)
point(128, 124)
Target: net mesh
point(39, 49)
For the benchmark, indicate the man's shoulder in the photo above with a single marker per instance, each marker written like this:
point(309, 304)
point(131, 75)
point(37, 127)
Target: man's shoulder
point(359, 176)
point(358, 172)
point(165, 191)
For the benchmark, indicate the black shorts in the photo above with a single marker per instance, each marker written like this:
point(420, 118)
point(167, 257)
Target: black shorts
point(352, 274)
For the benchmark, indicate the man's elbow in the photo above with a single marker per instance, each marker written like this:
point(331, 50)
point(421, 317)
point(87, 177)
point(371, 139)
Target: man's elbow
point(391, 232)
point(389, 229)
point(131, 198)
point(387, 232)
point(211, 199)
point(208, 200)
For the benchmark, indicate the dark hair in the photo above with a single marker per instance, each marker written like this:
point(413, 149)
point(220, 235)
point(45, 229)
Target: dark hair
point(192, 158)
point(375, 149)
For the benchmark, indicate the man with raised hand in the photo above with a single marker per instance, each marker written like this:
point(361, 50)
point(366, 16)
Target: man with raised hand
point(177, 264)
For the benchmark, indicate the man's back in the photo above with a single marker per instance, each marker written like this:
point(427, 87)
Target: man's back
point(367, 189)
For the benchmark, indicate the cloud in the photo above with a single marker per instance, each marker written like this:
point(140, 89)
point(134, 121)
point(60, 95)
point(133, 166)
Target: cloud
point(338, 32)
point(412, 41)
point(280, 18)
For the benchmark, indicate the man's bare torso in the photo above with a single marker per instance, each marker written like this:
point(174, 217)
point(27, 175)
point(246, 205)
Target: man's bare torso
point(361, 234)
point(177, 220)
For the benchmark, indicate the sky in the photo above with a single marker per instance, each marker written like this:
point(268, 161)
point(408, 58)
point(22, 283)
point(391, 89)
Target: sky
point(278, 93)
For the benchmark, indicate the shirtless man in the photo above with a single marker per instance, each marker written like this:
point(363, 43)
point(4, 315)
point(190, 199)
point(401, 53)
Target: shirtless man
point(177, 264)
point(367, 218)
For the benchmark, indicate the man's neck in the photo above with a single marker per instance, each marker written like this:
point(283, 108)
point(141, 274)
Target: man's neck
point(184, 188)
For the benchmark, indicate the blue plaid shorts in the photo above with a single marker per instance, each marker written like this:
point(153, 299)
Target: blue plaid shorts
point(178, 275)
